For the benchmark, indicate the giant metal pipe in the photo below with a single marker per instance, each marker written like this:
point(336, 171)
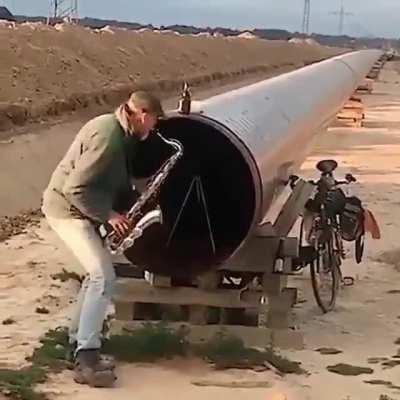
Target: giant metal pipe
point(242, 146)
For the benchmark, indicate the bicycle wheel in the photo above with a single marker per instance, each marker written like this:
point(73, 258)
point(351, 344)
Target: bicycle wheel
point(325, 275)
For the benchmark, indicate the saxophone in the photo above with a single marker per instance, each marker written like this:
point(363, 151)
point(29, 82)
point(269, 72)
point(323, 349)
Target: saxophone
point(116, 244)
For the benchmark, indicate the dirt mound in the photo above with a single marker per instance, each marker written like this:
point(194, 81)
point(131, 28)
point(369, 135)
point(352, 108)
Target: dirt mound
point(47, 71)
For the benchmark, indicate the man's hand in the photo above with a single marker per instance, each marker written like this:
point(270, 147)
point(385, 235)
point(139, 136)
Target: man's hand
point(120, 223)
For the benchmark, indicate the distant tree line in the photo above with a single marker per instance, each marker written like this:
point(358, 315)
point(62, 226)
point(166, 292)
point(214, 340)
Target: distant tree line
point(269, 34)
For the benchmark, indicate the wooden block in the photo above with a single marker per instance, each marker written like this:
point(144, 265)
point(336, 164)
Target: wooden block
point(351, 113)
point(280, 309)
point(124, 311)
point(145, 311)
point(135, 290)
point(208, 281)
point(353, 104)
point(233, 316)
point(292, 294)
point(128, 311)
point(171, 312)
point(266, 229)
point(274, 284)
point(289, 247)
point(198, 315)
point(367, 85)
point(158, 280)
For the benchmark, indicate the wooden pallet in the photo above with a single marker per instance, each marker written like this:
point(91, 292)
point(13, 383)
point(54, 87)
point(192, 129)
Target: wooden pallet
point(205, 310)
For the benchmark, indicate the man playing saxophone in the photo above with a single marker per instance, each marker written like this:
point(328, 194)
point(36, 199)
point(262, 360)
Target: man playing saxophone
point(83, 191)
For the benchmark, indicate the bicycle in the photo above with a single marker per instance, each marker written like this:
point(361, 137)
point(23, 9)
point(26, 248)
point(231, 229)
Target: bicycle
point(321, 229)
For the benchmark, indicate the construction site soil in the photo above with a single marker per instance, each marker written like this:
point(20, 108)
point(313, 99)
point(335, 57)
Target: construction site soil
point(49, 71)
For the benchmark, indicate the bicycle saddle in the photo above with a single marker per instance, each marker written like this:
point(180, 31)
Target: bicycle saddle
point(327, 166)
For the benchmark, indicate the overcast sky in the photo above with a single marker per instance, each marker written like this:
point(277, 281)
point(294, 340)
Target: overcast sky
point(371, 17)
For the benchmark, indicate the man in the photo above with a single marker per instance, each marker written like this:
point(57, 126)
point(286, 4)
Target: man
point(82, 195)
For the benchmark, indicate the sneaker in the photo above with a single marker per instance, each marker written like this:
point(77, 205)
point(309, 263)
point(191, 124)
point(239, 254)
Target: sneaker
point(103, 362)
point(89, 371)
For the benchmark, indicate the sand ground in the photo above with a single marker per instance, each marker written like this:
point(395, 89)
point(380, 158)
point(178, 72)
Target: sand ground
point(365, 323)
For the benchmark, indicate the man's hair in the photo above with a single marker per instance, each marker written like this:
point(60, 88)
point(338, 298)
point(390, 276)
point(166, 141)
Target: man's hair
point(147, 102)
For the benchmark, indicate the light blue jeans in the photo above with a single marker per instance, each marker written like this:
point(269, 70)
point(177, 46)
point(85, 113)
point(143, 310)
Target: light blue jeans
point(97, 289)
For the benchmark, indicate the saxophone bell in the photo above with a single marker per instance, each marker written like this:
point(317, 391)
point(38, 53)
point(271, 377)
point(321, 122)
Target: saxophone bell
point(117, 245)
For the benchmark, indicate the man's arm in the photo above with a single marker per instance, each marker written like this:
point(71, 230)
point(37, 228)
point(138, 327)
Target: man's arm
point(83, 187)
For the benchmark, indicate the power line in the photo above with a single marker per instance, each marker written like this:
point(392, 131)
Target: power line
point(342, 15)
point(66, 10)
point(306, 17)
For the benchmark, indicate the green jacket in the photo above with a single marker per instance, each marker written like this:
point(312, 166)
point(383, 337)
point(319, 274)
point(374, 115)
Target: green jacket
point(94, 173)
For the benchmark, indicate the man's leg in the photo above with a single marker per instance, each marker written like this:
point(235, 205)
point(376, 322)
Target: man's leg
point(76, 316)
point(82, 239)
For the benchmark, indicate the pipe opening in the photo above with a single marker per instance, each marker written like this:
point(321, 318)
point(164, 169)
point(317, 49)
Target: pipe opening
point(208, 203)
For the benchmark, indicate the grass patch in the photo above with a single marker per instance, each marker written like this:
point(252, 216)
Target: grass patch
point(65, 276)
point(42, 310)
point(20, 384)
point(233, 384)
point(153, 342)
point(394, 291)
point(52, 353)
point(349, 370)
point(376, 360)
point(328, 351)
point(391, 363)
point(227, 351)
point(379, 382)
point(8, 321)
point(149, 343)
point(49, 357)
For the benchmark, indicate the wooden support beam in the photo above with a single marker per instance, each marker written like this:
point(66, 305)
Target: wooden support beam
point(293, 207)
point(135, 290)
point(199, 314)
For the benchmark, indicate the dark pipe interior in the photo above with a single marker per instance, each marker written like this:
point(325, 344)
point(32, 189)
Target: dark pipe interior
point(219, 206)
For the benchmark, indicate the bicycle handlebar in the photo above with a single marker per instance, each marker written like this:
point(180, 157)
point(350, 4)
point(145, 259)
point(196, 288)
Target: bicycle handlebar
point(337, 183)
point(349, 178)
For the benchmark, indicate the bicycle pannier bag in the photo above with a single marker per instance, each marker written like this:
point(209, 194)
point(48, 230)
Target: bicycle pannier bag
point(352, 219)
